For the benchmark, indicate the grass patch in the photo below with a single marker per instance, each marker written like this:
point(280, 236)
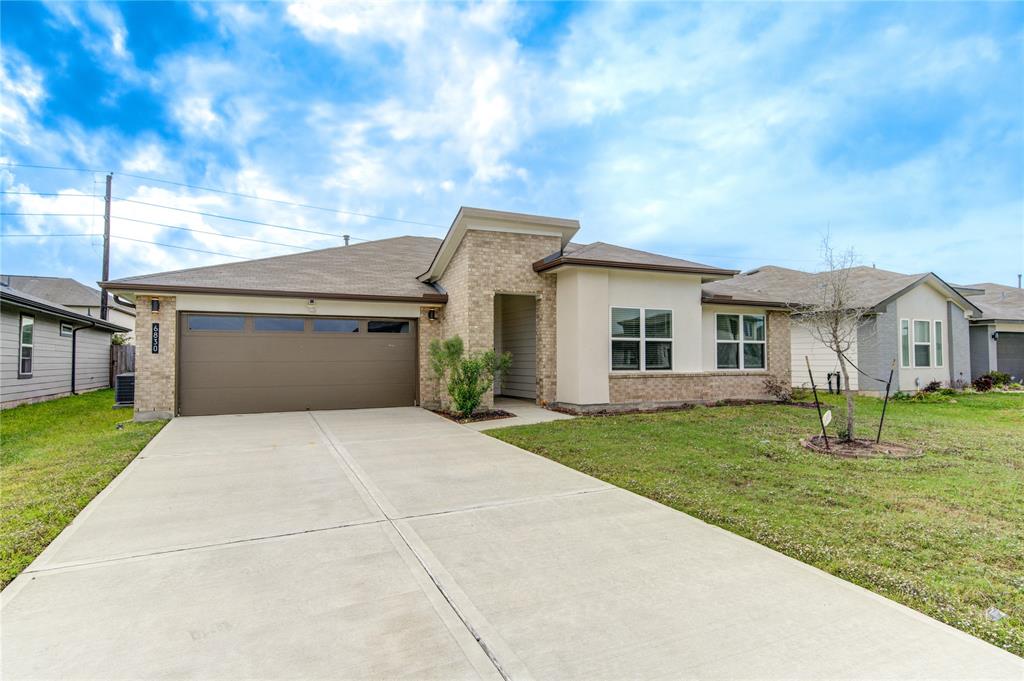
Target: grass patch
point(55, 457)
point(943, 534)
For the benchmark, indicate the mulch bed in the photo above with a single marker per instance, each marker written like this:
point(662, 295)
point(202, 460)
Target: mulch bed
point(491, 415)
point(861, 448)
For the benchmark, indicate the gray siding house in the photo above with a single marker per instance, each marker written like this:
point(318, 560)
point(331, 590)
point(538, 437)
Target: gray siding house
point(48, 351)
point(997, 334)
point(73, 295)
point(917, 321)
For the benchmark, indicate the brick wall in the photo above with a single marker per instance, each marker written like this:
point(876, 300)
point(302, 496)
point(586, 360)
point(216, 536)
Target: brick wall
point(489, 263)
point(155, 374)
point(649, 390)
point(429, 330)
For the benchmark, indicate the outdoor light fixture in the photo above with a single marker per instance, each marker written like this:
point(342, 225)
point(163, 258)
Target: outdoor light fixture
point(154, 305)
point(431, 314)
point(995, 335)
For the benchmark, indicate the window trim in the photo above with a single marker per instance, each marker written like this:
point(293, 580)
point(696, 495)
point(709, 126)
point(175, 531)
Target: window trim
point(740, 341)
point(21, 344)
point(907, 358)
point(70, 327)
point(929, 344)
point(642, 339)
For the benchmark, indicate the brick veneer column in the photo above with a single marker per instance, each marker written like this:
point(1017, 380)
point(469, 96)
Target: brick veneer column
point(155, 373)
point(429, 331)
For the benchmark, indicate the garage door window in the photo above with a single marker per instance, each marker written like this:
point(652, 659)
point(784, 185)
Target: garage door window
point(216, 323)
point(336, 325)
point(292, 324)
point(387, 327)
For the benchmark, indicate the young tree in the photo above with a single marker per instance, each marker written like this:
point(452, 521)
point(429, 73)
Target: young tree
point(833, 317)
point(467, 377)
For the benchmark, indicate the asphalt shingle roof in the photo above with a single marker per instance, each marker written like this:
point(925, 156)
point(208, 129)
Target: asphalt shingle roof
point(383, 268)
point(60, 290)
point(999, 302)
point(603, 252)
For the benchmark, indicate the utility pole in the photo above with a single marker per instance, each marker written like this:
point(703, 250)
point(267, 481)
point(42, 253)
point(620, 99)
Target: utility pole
point(106, 247)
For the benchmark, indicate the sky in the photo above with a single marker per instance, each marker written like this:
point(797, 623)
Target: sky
point(733, 134)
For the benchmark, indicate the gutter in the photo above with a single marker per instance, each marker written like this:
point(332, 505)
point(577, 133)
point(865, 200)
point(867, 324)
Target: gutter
point(547, 264)
point(74, 351)
point(729, 300)
point(271, 293)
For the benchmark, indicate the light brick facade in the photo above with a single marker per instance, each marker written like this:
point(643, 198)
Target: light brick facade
point(429, 330)
point(651, 390)
point(488, 263)
point(155, 373)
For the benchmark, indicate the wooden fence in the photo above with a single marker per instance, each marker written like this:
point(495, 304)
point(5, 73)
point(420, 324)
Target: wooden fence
point(122, 360)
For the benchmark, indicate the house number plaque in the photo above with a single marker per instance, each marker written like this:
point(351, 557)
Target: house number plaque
point(156, 337)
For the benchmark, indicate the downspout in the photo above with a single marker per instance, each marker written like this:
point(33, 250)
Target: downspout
point(74, 353)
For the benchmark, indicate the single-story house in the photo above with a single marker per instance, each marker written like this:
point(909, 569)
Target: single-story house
point(75, 296)
point(590, 326)
point(917, 320)
point(48, 350)
point(997, 334)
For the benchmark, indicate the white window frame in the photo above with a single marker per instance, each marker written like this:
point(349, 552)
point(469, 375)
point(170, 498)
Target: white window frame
point(642, 339)
point(938, 347)
point(930, 343)
point(740, 341)
point(70, 329)
point(22, 345)
point(906, 362)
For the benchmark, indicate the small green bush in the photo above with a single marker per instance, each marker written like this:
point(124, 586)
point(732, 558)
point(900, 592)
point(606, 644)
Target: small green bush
point(466, 377)
point(999, 377)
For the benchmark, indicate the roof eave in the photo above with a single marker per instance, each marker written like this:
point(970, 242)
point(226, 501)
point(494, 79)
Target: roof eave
point(15, 299)
point(561, 261)
point(729, 300)
point(272, 293)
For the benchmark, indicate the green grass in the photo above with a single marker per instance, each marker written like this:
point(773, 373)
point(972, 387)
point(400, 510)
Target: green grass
point(943, 534)
point(54, 457)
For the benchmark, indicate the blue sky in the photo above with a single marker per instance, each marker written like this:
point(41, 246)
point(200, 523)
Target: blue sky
point(733, 134)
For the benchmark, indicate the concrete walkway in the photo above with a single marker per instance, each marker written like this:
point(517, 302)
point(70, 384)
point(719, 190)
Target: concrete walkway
point(526, 412)
point(393, 543)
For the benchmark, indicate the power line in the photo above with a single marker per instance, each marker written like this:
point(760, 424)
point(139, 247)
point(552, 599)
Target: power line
point(147, 178)
point(228, 217)
point(202, 231)
point(126, 238)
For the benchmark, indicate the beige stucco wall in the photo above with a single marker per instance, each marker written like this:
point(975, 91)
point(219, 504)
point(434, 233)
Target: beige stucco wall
point(193, 302)
point(583, 325)
point(923, 303)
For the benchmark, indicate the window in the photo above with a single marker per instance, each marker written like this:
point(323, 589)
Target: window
point(938, 343)
point(336, 326)
point(27, 325)
point(905, 343)
point(740, 341)
point(66, 329)
point(636, 344)
point(215, 323)
point(387, 327)
point(293, 324)
point(922, 343)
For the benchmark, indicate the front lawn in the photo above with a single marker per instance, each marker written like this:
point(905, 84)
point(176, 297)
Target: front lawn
point(943, 534)
point(54, 457)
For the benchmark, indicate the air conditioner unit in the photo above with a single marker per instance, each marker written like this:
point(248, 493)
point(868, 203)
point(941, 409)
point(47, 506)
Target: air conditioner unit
point(124, 390)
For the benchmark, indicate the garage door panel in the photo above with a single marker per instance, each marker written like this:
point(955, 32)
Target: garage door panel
point(253, 372)
point(1010, 353)
point(240, 374)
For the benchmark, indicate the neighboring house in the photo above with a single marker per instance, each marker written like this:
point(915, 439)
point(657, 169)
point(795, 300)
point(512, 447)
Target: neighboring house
point(918, 320)
point(590, 327)
point(997, 334)
point(73, 295)
point(47, 350)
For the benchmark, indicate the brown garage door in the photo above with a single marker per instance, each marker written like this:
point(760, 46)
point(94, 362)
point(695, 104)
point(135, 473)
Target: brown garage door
point(238, 364)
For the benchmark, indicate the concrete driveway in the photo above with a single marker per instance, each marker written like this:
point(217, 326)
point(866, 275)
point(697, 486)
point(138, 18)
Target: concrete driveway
point(392, 543)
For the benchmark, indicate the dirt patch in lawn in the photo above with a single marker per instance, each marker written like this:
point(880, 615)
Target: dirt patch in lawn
point(492, 415)
point(861, 448)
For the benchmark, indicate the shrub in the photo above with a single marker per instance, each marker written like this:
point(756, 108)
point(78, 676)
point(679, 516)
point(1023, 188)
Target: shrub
point(983, 383)
point(778, 388)
point(999, 377)
point(467, 377)
point(119, 339)
point(932, 387)
point(800, 394)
